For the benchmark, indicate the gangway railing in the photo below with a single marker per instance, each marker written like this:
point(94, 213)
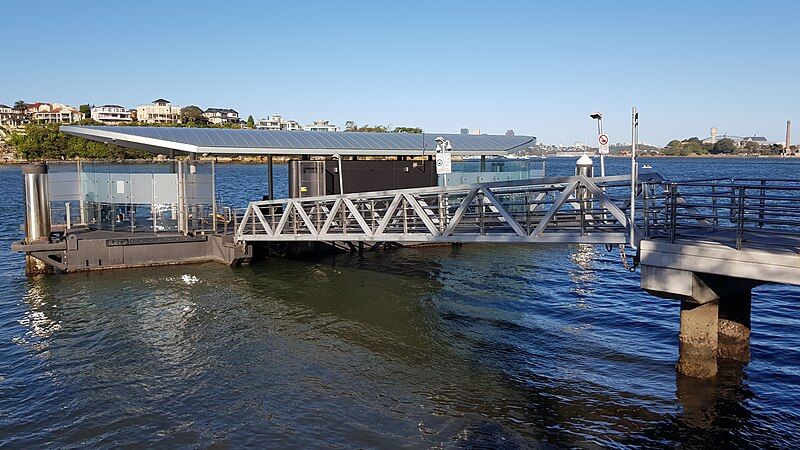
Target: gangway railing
point(573, 209)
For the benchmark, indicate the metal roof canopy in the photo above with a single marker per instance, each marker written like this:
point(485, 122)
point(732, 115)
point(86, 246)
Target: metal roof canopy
point(227, 141)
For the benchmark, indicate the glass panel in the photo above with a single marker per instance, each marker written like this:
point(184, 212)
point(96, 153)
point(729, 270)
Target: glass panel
point(63, 186)
point(165, 188)
point(142, 188)
point(120, 187)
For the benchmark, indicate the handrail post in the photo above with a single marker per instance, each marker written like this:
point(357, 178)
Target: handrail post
point(441, 215)
point(645, 210)
point(480, 213)
point(740, 228)
point(673, 211)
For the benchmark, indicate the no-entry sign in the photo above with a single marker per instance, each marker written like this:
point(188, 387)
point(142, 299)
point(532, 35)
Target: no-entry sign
point(443, 163)
point(603, 141)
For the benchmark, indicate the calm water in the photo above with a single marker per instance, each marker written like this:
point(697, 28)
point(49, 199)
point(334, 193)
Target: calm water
point(500, 346)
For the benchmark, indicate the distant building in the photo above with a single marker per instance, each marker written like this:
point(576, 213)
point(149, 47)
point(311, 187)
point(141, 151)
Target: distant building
point(475, 131)
point(465, 131)
point(276, 122)
point(53, 113)
point(509, 132)
point(160, 111)
point(321, 125)
point(111, 114)
point(10, 117)
point(759, 140)
point(718, 137)
point(221, 115)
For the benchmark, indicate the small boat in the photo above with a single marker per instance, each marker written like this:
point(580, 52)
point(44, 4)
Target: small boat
point(647, 166)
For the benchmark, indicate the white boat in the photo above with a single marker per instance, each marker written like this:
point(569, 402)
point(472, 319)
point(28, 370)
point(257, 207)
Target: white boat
point(647, 166)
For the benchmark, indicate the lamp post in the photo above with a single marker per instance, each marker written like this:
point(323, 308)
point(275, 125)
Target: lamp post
point(598, 116)
point(341, 180)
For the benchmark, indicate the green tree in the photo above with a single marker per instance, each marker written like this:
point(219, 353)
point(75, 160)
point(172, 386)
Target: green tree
point(416, 130)
point(193, 115)
point(44, 141)
point(20, 106)
point(86, 110)
point(250, 122)
point(724, 146)
point(674, 143)
point(351, 126)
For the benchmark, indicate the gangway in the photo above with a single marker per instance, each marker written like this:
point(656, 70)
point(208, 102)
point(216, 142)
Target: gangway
point(574, 209)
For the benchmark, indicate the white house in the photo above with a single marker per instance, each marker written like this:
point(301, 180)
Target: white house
point(111, 114)
point(221, 115)
point(321, 125)
point(276, 122)
point(160, 111)
point(10, 117)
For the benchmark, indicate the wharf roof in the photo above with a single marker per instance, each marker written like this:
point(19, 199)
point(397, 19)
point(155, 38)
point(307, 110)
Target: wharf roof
point(226, 141)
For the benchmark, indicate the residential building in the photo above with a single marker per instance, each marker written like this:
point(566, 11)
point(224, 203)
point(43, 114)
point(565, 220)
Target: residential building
point(111, 114)
point(160, 111)
point(221, 115)
point(276, 122)
point(321, 125)
point(10, 117)
point(53, 113)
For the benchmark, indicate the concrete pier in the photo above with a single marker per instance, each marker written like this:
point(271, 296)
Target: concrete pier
point(715, 308)
point(734, 327)
point(698, 339)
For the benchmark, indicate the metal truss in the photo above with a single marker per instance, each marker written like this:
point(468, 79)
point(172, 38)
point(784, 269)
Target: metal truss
point(573, 209)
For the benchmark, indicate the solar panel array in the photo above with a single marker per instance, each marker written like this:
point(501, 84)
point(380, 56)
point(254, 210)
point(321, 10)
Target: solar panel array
point(311, 140)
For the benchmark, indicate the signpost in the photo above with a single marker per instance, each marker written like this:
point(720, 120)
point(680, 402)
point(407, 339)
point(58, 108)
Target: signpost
point(602, 139)
point(444, 162)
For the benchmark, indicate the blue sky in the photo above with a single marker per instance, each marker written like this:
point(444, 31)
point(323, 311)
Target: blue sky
point(536, 68)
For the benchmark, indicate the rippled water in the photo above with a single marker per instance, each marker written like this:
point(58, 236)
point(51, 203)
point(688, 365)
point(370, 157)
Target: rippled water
point(484, 345)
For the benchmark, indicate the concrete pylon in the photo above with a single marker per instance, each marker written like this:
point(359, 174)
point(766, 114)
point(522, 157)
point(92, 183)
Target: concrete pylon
point(698, 339)
point(734, 327)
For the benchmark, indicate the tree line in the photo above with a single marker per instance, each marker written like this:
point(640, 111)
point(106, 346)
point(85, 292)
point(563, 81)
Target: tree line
point(724, 146)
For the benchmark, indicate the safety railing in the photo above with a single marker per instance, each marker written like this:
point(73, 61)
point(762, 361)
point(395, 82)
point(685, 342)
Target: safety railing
point(737, 212)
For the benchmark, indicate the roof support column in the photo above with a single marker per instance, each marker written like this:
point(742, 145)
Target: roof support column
point(271, 178)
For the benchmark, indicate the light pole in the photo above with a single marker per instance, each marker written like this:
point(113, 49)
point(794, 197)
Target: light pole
point(598, 116)
point(341, 180)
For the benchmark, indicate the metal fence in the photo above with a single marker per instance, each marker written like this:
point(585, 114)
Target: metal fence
point(737, 212)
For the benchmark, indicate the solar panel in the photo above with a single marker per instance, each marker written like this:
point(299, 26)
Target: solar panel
point(232, 141)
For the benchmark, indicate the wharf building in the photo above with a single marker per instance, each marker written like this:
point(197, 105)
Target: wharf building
point(111, 114)
point(160, 111)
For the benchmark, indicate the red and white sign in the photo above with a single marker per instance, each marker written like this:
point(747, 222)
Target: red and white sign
point(603, 140)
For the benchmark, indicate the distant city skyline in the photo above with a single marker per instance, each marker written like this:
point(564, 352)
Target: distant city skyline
point(536, 69)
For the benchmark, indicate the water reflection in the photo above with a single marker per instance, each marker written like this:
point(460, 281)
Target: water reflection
point(582, 273)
